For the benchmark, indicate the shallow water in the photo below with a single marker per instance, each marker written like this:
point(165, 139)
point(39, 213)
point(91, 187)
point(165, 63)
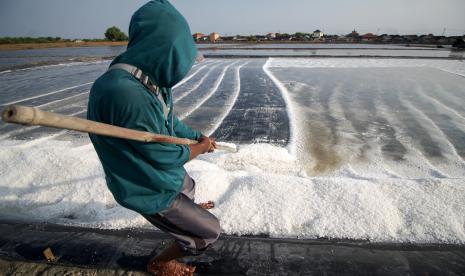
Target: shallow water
point(17, 59)
point(322, 52)
point(27, 58)
point(317, 46)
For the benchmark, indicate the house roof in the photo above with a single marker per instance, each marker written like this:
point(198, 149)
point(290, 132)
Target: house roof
point(353, 34)
point(368, 35)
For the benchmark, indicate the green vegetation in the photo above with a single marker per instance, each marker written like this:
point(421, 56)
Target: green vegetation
point(459, 44)
point(284, 36)
point(93, 39)
point(251, 38)
point(26, 40)
point(300, 35)
point(115, 34)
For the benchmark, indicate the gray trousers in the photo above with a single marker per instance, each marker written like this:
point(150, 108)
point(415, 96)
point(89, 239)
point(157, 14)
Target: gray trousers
point(194, 228)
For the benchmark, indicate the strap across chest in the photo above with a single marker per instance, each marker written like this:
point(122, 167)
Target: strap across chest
point(145, 80)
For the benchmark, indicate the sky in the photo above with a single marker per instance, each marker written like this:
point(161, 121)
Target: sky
point(90, 18)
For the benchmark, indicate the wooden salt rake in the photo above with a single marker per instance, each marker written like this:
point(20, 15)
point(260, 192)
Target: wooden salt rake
point(33, 116)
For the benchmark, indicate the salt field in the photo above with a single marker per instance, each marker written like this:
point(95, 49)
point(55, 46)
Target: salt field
point(349, 148)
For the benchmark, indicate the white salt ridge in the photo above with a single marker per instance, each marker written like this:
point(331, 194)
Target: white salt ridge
point(293, 130)
point(209, 95)
point(48, 93)
point(229, 105)
point(260, 189)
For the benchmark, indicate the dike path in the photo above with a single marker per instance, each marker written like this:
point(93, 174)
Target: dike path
point(84, 251)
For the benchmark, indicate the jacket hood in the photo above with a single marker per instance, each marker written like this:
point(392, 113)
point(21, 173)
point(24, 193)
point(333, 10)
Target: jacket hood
point(160, 43)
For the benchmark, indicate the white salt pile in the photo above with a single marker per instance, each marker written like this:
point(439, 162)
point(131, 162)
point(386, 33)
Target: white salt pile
point(260, 189)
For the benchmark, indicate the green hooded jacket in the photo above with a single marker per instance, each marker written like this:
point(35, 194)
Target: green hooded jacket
point(145, 177)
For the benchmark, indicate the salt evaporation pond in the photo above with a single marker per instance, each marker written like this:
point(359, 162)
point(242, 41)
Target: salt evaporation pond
point(338, 148)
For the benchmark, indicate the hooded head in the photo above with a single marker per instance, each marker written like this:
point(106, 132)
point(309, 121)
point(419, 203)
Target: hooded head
point(160, 43)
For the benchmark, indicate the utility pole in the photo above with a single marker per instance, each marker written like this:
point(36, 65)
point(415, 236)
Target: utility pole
point(443, 31)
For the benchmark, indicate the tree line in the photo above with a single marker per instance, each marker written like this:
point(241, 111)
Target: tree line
point(111, 34)
point(23, 40)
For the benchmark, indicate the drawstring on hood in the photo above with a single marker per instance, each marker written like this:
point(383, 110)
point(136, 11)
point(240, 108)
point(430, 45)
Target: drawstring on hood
point(160, 44)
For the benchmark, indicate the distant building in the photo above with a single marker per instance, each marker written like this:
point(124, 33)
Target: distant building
point(353, 37)
point(353, 34)
point(331, 38)
point(341, 39)
point(368, 37)
point(317, 34)
point(385, 38)
point(214, 37)
point(240, 38)
point(198, 36)
point(271, 36)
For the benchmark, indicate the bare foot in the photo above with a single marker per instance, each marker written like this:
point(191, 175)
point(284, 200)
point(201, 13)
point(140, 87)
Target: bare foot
point(207, 205)
point(170, 268)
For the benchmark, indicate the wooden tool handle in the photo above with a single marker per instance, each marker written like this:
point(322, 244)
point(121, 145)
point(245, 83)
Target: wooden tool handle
point(25, 115)
point(33, 116)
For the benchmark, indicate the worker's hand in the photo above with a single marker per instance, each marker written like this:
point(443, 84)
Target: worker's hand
point(211, 144)
point(213, 147)
point(205, 143)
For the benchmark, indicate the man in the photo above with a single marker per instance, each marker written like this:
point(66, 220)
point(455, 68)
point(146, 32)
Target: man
point(149, 178)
